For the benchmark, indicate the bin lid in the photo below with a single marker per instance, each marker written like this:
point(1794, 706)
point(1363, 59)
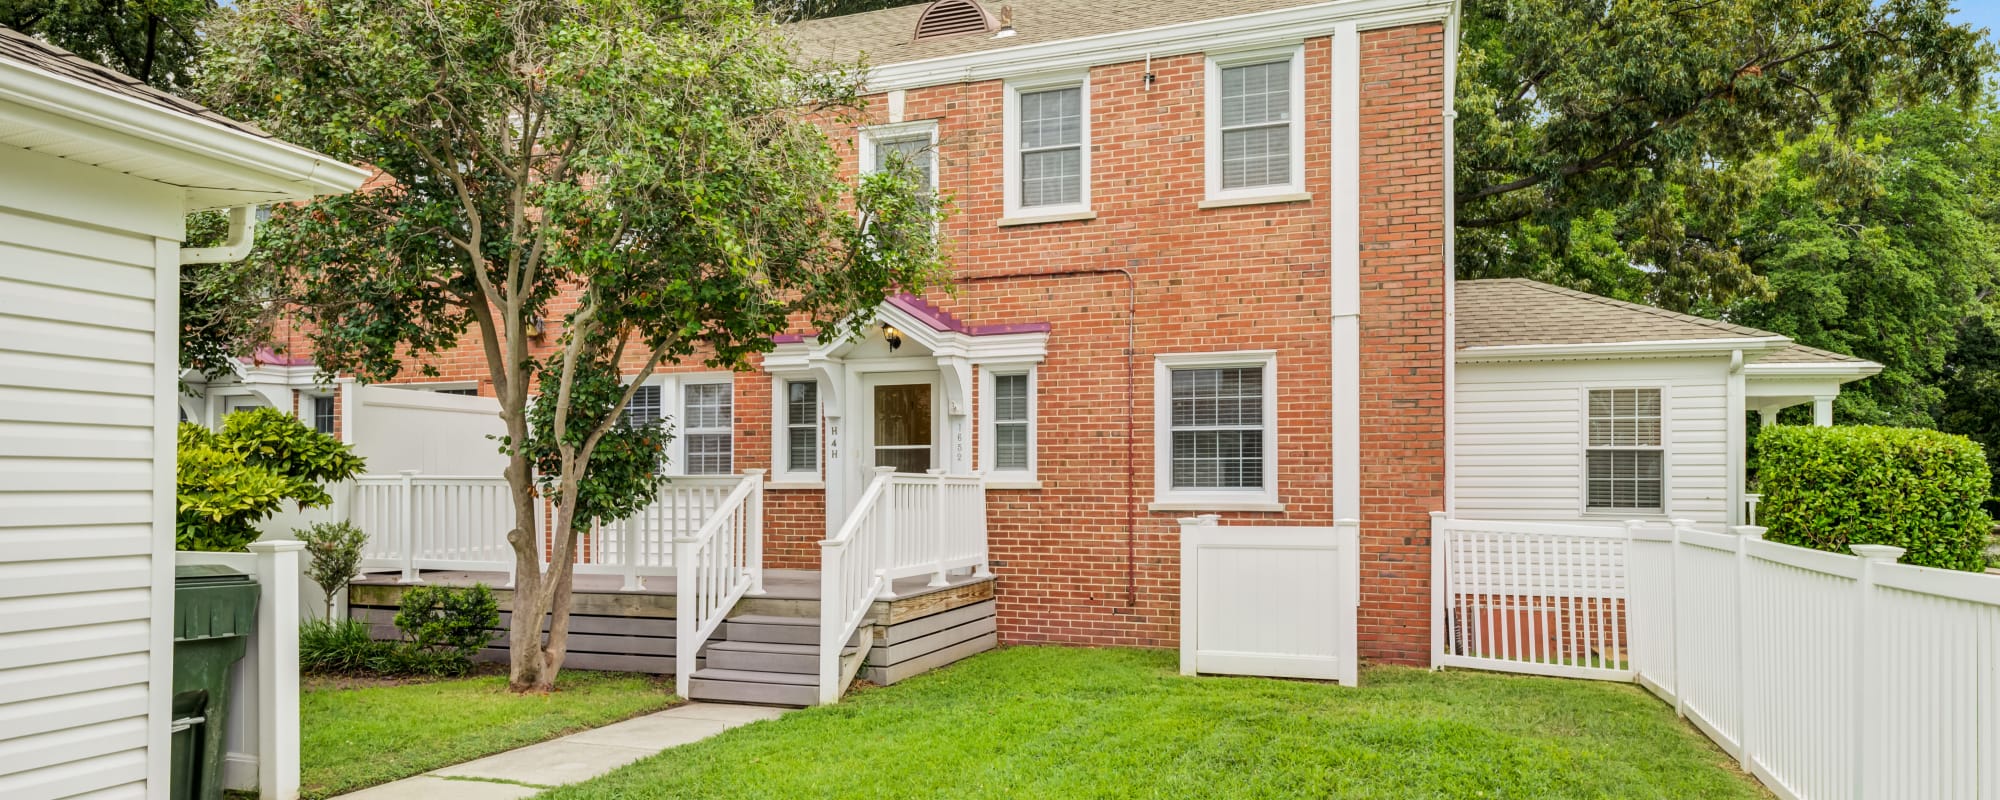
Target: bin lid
point(207, 575)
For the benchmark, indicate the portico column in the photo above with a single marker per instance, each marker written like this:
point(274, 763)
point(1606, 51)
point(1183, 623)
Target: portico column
point(1823, 411)
point(1767, 417)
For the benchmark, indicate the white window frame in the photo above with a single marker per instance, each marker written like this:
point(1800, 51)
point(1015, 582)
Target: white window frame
point(782, 475)
point(673, 402)
point(439, 387)
point(1014, 213)
point(873, 135)
point(997, 478)
point(312, 401)
point(1583, 506)
point(1165, 496)
point(1293, 189)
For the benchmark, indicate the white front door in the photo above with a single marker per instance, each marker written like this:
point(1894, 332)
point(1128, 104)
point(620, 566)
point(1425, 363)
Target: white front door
point(901, 425)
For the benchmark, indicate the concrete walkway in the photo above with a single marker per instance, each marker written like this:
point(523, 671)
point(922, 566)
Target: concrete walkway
point(570, 759)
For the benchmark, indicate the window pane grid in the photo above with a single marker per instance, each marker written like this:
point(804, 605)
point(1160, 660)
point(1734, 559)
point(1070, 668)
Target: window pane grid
point(801, 426)
point(323, 416)
point(707, 411)
point(1051, 142)
point(1217, 428)
point(1010, 422)
point(1624, 465)
point(1255, 125)
point(644, 408)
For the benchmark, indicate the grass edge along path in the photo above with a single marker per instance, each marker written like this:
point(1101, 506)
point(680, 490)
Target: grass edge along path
point(353, 738)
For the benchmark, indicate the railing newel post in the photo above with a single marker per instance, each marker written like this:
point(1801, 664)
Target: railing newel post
point(755, 557)
point(886, 548)
point(983, 569)
point(1673, 592)
point(938, 537)
point(1440, 616)
point(408, 535)
point(686, 650)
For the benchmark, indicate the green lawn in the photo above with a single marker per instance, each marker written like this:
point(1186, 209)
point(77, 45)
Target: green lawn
point(1075, 723)
point(357, 737)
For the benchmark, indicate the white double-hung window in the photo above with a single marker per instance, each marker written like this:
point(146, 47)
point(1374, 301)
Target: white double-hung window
point(1047, 169)
point(1007, 426)
point(702, 408)
point(1624, 458)
point(1255, 128)
point(911, 143)
point(1216, 432)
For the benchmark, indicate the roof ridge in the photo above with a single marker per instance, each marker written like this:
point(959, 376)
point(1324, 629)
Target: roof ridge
point(1653, 310)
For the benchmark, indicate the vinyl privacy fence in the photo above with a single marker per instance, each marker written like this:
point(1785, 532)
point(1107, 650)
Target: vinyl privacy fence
point(1828, 676)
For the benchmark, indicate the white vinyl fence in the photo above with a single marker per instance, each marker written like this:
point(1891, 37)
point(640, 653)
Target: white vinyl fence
point(1278, 601)
point(1828, 676)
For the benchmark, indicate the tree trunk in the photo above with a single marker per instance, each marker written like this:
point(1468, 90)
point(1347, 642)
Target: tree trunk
point(525, 664)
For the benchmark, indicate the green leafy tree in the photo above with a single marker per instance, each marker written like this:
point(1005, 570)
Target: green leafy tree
point(228, 481)
point(1593, 137)
point(155, 41)
point(1882, 243)
point(660, 164)
point(333, 553)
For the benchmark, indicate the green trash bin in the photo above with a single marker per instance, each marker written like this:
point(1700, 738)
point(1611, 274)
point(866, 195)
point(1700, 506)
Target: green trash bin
point(215, 611)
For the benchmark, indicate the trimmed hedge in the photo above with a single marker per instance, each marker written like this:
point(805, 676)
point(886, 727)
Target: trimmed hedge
point(1921, 490)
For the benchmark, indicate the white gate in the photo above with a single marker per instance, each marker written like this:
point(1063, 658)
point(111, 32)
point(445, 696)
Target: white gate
point(1534, 597)
point(1272, 601)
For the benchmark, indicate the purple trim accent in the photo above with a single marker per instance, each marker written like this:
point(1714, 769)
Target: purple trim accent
point(939, 319)
point(266, 355)
point(790, 338)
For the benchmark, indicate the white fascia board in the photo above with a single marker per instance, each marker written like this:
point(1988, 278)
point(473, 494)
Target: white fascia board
point(1662, 348)
point(1241, 31)
point(1842, 371)
point(273, 170)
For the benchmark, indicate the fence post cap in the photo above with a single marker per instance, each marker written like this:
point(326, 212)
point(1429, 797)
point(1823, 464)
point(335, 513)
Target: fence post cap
point(1877, 552)
point(754, 473)
point(408, 471)
point(1438, 515)
point(1635, 524)
point(1751, 531)
point(1347, 522)
point(1200, 520)
point(884, 470)
point(277, 546)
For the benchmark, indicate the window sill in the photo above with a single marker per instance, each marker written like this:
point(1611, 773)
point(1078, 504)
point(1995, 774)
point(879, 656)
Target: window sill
point(1193, 505)
point(782, 485)
point(1044, 219)
point(1025, 484)
point(1255, 200)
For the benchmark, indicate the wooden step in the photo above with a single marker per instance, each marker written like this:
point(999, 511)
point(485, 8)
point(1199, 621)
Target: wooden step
point(800, 659)
point(749, 686)
point(775, 630)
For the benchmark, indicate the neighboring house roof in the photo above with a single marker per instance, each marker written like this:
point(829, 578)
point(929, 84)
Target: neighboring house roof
point(59, 104)
point(1515, 314)
point(886, 36)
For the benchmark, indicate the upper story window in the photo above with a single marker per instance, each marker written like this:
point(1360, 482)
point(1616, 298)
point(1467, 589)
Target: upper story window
point(911, 143)
point(323, 416)
point(1625, 462)
point(1215, 430)
point(1255, 131)
point(1048, 147)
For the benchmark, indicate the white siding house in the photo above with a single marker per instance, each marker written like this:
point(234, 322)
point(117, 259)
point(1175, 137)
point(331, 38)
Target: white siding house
point(94, 181)
point(1569, 407)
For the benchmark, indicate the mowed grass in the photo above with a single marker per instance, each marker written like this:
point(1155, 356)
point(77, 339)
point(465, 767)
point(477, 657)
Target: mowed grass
point(1048, 722)
point(353, 738)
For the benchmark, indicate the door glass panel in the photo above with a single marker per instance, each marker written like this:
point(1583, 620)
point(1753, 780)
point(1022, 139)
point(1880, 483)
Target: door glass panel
point(903, 427)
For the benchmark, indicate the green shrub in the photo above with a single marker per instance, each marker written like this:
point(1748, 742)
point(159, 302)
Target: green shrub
point(446, 626)
point(343, 647)
point(333, 552)
point(227, 482)
point(1921, 490)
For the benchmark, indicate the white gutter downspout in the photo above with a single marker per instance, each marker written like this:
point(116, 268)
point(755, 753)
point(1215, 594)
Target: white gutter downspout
point(1451, 34)
point(1346, 272)
point(242, 234)
point(1736, 438)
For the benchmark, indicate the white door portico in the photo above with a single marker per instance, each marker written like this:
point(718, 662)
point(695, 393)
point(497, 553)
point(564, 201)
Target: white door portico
point(873, 380)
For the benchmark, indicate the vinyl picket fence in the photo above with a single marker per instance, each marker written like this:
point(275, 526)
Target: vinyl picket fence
point(1828, 676)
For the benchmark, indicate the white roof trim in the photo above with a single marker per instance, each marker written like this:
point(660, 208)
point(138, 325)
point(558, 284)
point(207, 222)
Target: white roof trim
point(1658, 348)
point(1284, 26)
point(271, 169)
point(1843, 370)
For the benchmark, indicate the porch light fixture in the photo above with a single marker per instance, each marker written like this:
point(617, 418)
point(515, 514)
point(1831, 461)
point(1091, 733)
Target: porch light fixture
point(892, 336)
point(534, 328)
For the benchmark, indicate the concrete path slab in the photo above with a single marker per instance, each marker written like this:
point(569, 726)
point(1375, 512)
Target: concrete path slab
point(570, 759)
point(426, 787)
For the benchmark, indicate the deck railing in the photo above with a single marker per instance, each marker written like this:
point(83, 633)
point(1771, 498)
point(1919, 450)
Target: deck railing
point(903, 525)
point(715, 566)
point(416, 522)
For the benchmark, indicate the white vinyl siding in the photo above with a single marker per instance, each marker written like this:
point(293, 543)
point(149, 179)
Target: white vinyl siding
point(1519, 438)
point(82, 532)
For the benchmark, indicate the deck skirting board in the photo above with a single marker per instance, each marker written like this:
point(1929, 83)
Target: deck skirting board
point(891, 654)
point(924, 626)
point(884, 676)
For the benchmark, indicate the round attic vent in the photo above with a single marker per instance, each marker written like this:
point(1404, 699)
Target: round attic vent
point(944, 18)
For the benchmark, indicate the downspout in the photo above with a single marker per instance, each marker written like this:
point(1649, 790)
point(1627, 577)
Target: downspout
point(1131, 353)
point(1735, 439)
point(242, 234)
point(1451, 38)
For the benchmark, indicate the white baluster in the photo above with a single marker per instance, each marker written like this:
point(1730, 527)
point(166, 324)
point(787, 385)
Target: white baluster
point(407, 535)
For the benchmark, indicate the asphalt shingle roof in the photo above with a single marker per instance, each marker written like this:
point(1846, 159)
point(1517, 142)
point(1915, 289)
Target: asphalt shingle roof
point(1515, 311)
point(27, 50)
point(884, 37)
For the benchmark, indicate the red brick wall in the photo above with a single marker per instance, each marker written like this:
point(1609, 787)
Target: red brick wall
point(1244, 278)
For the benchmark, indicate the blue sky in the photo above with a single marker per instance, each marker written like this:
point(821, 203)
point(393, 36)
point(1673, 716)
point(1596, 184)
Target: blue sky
point(1981, 13)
